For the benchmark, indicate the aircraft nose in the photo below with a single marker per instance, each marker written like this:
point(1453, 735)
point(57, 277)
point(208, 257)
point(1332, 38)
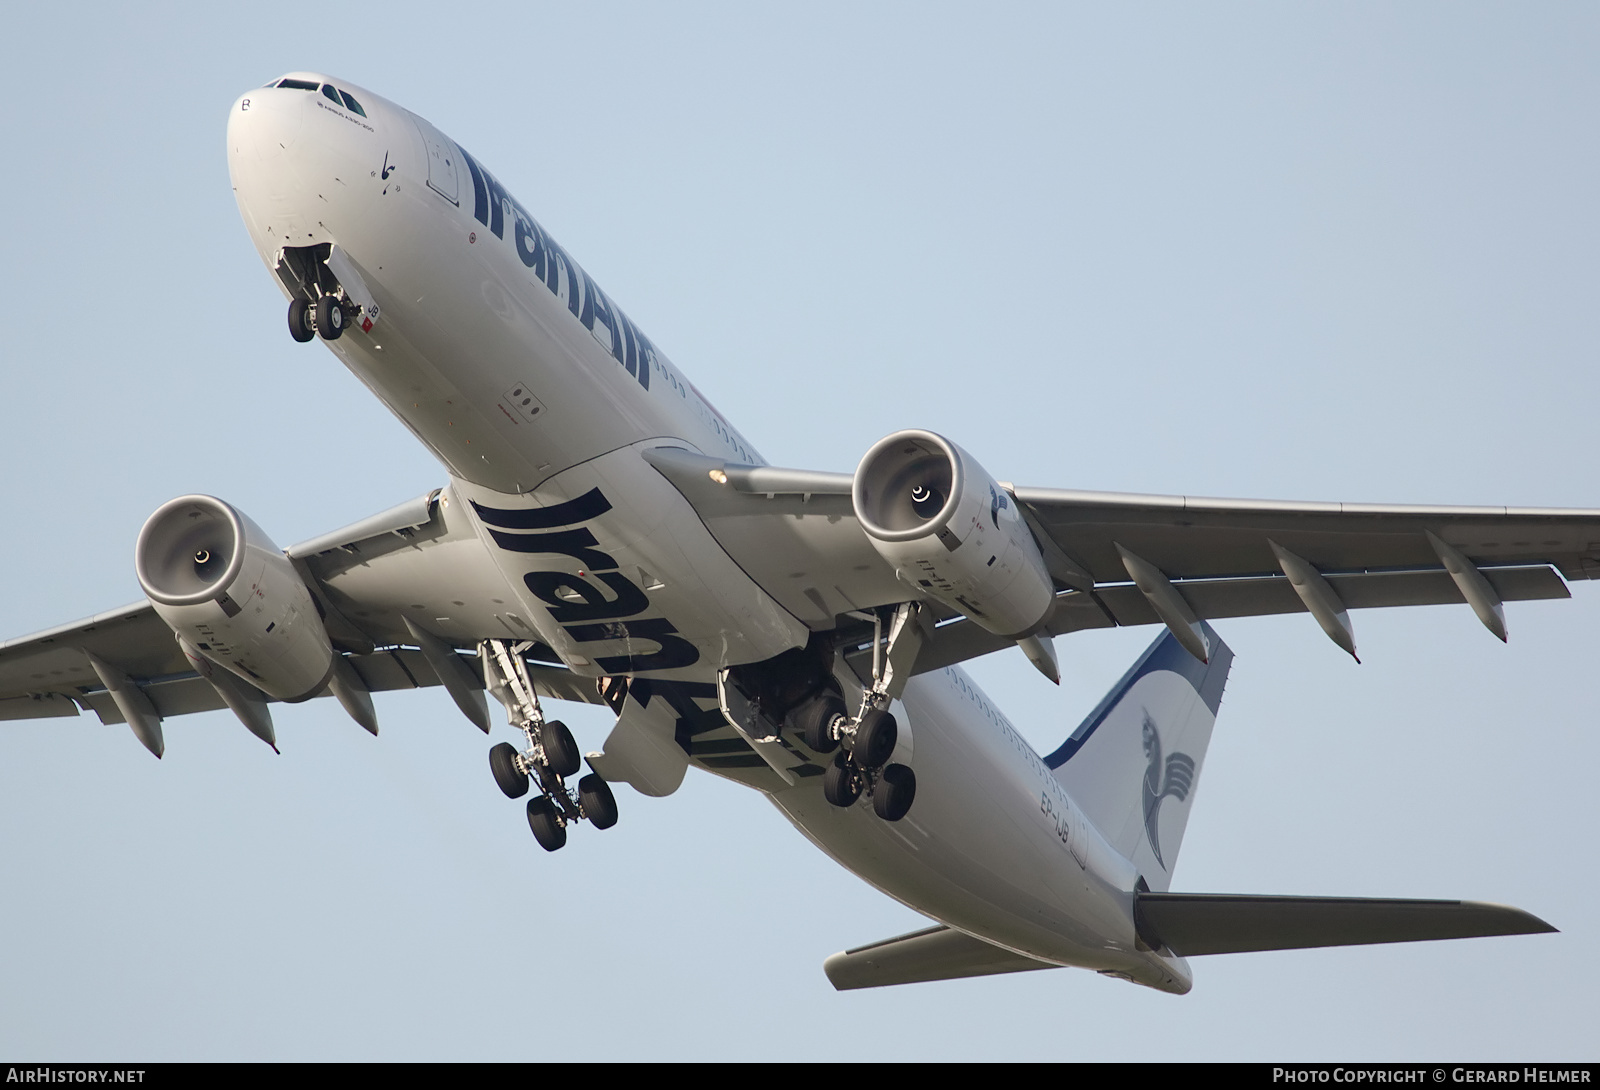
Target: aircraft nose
point(299, 153)
point(265, 138)
point(264, 120)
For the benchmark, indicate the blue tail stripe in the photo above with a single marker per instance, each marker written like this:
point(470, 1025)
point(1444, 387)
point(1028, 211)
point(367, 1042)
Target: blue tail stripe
point(1166, 653)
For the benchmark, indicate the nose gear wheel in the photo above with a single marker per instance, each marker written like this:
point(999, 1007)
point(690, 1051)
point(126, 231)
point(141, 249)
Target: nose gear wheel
point(331, 317)
point(302, 323)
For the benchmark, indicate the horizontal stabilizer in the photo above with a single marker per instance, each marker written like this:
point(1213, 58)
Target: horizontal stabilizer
point(1190, 924)
point(935, 953)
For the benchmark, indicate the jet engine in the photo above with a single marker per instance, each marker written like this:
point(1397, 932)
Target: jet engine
point(952, 532)
point(220, 583)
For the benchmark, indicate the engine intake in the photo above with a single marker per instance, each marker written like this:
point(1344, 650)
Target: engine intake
point(221, 584)
point(952, 532)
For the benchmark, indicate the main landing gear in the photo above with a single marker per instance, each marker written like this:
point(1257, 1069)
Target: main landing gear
point(864, 746)
point(811, 704)
point(868, 741)
point(550, 756)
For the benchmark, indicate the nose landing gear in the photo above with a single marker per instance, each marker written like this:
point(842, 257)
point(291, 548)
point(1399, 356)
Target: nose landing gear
point(302, 323)
point(329, 294)
point(327, 317)
point(330, 317)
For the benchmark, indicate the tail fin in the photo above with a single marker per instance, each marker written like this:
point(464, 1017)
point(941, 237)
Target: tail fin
point(1134, 763)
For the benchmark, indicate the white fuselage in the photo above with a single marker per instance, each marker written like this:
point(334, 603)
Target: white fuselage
point(537, 392)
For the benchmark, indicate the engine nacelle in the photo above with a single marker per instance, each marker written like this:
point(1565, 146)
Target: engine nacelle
point(218, 581)
point(952, 532)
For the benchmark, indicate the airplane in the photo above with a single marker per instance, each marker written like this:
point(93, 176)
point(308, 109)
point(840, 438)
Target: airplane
point(606, 536)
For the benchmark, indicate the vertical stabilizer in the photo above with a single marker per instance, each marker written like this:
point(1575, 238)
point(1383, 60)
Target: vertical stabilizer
point(1134, 764)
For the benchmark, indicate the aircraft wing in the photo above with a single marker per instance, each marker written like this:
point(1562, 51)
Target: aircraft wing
point(49, 674)
point(1205, 539)
point(364, 579)
point(796, 532)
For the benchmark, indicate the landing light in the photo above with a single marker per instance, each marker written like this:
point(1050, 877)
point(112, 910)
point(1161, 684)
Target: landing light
point(718, 476)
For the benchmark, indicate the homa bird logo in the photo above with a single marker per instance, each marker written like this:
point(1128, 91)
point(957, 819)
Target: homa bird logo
point(1173, 777)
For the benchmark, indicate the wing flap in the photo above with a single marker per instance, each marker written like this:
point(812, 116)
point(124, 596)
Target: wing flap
point(185, 692)
point(1255, 596)
point(1248, 596)
point(42, 706)
point(169, 696)
point(1191, 924)
point(935, 953)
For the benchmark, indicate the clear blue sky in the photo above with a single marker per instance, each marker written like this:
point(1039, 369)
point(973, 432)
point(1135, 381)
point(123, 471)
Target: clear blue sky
point(1324, 252)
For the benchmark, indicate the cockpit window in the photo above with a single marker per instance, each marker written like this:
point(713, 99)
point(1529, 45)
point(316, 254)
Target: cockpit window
point(297, 84)
point(355, 107)
point(330, 93)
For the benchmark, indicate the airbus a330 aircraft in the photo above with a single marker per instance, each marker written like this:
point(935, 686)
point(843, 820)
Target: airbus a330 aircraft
point(605, 535)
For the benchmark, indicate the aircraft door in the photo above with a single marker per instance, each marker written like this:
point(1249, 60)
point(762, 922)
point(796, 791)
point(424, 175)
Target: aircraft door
point(442, 157)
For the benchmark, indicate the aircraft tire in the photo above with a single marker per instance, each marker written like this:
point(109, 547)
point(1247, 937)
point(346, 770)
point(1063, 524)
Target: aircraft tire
point(815, 717)
point(502, 762)
point(875, 741)
point(547, 830)
point(560, 750)
point(598, 802)
point(840, 785)
point(896, 790)
point(300, 327)
point(330, 318)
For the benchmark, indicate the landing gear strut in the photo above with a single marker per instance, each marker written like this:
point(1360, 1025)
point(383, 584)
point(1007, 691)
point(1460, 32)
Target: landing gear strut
point(549, 757)
point(868, 739)
point(796, 695)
